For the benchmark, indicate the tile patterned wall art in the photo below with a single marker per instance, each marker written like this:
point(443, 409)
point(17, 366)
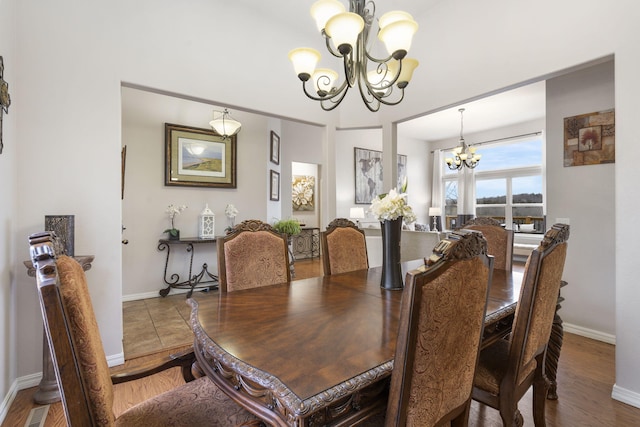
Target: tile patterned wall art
point(590, 139)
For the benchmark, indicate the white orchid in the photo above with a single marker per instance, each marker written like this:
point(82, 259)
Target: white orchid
point(392, 205)
point(230, 211)
point(174, 210)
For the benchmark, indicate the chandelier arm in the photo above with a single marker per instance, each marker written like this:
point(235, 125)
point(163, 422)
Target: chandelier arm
point(341, 91)
point(324, 104)
point(350, 70)
point(329, 47)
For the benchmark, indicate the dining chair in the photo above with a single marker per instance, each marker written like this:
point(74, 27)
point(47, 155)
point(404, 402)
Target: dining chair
point(344, 247)
point(80, 363)
point(499, 240)
point(441, 324)
point(509, 367)
point(252, 254)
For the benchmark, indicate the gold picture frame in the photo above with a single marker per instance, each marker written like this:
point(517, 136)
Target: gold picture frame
point(196, 157)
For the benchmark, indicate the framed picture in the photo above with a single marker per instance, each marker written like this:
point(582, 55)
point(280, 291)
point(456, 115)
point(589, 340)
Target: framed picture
point(197, 157)
point(275, 148)
point(368, 174)
point(274, 186)
point(590, 139)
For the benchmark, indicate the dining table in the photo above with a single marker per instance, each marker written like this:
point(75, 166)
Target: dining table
point(317, 351)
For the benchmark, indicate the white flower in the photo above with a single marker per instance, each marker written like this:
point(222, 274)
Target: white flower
point(174, 210)
point(392, 206)
point(230, 211)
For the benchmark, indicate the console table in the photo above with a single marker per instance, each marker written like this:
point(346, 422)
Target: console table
point(204, 279)
point(306, 244)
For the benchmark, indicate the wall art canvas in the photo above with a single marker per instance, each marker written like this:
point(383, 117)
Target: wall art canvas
point(589, 139)
point(369, 174)
point(303, 192)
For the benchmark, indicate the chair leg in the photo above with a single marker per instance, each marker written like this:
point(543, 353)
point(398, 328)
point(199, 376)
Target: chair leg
point(540, 388)
point(511, 416)
point(462, 420)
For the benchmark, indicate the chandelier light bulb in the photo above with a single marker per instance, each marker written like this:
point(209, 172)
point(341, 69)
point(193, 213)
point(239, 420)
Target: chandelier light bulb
point(344, 29)
point(323, 10)
point(304, 61)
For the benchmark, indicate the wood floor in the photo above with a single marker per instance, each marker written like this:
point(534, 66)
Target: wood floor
point(585, 375)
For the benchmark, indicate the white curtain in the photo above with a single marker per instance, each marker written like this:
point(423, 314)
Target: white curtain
point(436, 183)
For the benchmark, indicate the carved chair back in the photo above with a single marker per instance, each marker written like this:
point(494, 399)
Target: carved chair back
point(344, 247)
point(508, 369)
point(499, 240)
point(252, 254)
point(72, 331)
point(441, 323)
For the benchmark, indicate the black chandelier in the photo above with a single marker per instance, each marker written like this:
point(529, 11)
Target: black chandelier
point(463, 155)
point(346, 36)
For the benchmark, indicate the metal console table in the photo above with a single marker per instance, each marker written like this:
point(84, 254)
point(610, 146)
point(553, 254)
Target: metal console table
point(307, 243)
point(204, 279)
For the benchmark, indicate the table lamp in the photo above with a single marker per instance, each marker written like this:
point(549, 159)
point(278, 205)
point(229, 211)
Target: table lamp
point(435, 212)
point(357, 214)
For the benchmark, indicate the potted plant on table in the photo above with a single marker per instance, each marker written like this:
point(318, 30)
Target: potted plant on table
point(173, 210)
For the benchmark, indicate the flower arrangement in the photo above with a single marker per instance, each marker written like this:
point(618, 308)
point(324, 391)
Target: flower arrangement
point(392, 205)
point(230, 212)
point(174, 210)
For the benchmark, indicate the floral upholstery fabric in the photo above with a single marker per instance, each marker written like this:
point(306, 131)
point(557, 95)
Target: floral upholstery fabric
point(86, 338)
point(497, 241)
point(449, 326)
point(347, 250)
point(197, 403)
point(255, 258)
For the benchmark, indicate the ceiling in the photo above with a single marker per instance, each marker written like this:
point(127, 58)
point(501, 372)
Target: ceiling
point(519, 105)
point(515, 106)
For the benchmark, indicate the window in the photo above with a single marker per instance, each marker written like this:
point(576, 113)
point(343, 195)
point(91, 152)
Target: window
point(507, 184)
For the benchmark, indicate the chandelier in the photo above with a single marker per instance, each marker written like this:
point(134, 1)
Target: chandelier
point(346, 36)
point(463, 155)
point(224, 124)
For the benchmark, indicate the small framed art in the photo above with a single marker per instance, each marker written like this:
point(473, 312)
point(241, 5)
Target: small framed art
point(275, 148)
point(274, 186)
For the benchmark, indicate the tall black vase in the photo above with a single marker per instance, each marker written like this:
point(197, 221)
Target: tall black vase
point(391, 269)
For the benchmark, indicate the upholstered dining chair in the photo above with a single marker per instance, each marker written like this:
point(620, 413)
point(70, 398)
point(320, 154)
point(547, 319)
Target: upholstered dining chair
point(81, 368)
point(252, 254)
point(344, 247)
point(441, 324)
point(499, 240)
point(508, 368)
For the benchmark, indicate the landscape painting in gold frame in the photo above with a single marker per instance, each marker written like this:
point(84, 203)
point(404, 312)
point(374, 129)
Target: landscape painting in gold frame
point(196, 157)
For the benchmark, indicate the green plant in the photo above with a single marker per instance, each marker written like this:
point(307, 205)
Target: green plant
point(289, 227)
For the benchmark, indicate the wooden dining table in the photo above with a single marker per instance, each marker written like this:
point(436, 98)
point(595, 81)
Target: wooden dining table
point(316, 351)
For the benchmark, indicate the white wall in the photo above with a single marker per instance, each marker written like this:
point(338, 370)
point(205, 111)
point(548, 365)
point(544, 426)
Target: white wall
point(73, 56)
point(584, 195)
point(9, 267)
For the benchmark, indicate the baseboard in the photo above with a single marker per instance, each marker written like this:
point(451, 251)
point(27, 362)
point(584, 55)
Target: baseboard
point(589, 333)
point(153, 294)
point(626, 396)
point(8, 400)
point(115, 359)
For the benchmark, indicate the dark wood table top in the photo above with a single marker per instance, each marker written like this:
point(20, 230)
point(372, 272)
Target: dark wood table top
point(313, 339)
